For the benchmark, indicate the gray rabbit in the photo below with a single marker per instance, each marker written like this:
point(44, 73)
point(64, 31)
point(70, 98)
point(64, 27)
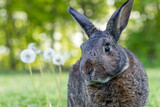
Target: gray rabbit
point(107, 75)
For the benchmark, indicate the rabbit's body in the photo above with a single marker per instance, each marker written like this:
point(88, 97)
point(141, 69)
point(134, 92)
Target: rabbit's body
point(107, 75)
point(129, 89)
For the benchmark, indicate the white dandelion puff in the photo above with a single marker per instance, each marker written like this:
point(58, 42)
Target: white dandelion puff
point(58, 60)
point(27, 56)
point(34, 48)
point(49, 54)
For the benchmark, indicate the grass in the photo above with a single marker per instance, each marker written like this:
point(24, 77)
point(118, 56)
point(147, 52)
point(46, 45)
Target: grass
point(16, 89)
point(154, 87)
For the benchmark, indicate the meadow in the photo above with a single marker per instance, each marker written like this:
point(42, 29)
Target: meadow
point(16, 89)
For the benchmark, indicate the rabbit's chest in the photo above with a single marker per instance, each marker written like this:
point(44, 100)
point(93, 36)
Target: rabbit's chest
point(113, 94)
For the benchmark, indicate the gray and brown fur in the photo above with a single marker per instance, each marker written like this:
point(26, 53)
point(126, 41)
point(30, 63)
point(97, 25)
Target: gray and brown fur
point(128, 86)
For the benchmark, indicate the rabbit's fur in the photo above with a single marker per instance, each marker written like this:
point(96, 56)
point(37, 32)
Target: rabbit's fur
point(107, 78)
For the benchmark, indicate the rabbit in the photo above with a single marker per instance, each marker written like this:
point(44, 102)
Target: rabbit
point(107, 75)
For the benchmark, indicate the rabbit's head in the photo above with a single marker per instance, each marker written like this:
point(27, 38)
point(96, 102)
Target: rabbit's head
point(102, 57)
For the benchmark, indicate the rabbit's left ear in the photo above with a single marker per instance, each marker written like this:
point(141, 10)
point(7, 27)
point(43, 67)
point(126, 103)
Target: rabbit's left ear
point(119, 19)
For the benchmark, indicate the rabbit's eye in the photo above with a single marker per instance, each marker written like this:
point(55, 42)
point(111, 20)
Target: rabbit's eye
point(106, 47)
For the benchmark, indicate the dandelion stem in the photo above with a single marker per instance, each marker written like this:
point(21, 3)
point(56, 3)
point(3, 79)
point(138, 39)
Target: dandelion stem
point(42, 75)
point(30, 70)
point(60, 84)
point(54, 76)
point(56, 81)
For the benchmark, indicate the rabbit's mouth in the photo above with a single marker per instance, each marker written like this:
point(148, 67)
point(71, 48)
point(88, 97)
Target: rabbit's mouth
point(95, 75)
point(98, 82)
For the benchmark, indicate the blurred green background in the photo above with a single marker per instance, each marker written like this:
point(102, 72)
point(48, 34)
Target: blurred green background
point(48, 23)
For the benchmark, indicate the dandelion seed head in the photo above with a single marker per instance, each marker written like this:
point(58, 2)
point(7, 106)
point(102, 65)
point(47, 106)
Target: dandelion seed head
point(58, 60)
point(27, 56)
point(49, 54)
point(33, 47)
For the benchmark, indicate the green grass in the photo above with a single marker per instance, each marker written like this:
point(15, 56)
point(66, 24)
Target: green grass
point(16, 89)
point(154, 87)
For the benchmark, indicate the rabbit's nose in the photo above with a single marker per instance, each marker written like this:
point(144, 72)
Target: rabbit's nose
point(89, 71)
point(92, 53)
point(89, 68)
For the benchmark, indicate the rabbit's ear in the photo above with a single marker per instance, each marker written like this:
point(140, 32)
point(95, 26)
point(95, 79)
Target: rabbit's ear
point(83, 21)
point(119, 19)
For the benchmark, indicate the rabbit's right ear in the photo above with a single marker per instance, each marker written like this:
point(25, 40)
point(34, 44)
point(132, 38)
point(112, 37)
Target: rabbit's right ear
point(119, 19)
point(83, 21)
